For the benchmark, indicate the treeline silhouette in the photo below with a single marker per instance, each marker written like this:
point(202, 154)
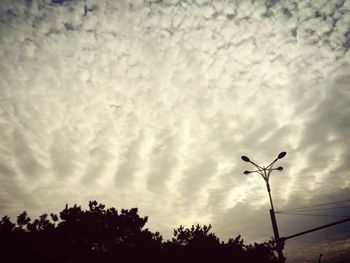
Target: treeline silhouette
point(106, 235)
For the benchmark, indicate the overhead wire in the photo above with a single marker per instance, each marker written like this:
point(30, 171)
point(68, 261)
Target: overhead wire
point(305, 208)
point(304, 214)
point(317, 209)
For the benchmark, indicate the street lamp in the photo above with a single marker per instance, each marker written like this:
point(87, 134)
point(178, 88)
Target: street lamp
point(265, 174)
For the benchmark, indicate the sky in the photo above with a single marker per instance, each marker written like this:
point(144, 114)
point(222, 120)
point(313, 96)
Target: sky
point(151, 104)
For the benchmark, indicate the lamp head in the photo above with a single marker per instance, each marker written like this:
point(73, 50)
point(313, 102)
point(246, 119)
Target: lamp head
point(281, 155)
point(280, 168)
point(246, 172)
point(245, 158)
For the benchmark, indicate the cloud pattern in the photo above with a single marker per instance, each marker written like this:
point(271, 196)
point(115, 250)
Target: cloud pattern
point(152, 103)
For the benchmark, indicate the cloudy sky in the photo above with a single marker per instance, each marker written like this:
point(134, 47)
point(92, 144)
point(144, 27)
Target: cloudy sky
point(150, 104)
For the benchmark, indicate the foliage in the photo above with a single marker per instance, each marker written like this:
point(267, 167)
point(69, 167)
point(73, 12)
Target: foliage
point(106, 235)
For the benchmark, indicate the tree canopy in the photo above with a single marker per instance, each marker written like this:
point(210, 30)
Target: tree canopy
point(106, 235)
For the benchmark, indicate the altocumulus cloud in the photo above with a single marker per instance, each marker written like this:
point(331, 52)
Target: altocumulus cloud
point(151, 104)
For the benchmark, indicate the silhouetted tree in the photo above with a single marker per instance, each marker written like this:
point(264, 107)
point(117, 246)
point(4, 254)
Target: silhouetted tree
point(262, 251)
point(6, 226)
point(106, 235)
point(23, 220)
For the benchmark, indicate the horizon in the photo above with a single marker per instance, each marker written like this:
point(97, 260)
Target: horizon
point(307, 252)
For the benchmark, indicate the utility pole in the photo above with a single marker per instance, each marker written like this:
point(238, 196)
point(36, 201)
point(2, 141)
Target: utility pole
point(265, 174)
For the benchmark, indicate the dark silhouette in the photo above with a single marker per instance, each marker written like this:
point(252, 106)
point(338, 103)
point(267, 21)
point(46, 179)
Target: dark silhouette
point(106, 235)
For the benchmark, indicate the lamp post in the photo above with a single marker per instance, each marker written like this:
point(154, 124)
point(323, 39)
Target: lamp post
point(265, 174)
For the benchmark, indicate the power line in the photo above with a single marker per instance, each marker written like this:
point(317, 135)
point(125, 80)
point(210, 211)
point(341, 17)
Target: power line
point(317, 209)
point(311, 206)
point(303, 214)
